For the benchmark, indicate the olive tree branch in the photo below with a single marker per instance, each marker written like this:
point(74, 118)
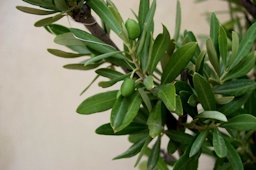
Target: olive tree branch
point(83, 15)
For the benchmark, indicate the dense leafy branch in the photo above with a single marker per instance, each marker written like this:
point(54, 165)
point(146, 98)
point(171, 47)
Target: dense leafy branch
point(170, 86)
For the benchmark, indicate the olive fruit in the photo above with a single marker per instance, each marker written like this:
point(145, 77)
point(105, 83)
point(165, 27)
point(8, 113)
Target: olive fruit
point(127, 87)
point(133, 29)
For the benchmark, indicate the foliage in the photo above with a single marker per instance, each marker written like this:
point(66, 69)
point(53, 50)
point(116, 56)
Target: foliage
point(203, 100)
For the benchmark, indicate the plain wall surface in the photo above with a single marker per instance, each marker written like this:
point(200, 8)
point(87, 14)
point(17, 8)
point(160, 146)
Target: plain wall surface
point(39, 128)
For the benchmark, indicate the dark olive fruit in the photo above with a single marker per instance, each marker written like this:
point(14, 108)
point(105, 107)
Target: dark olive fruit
point(133, 29)
point(128, 86)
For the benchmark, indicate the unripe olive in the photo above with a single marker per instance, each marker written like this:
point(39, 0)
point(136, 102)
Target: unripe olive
point(127, 87)
point(133, 29)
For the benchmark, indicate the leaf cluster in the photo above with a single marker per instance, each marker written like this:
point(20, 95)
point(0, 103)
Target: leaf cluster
point(203, 100)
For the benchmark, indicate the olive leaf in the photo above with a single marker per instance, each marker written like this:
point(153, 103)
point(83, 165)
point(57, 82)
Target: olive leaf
point(49, 20)
point(204, 92)
point(177, 21)
point(159, 49)
point(60, 53)
point(213, 115)
point(198, 142)
point(178, 62)
point(133, 128)
point(133, 150)
point(97, 103)
point(241, 122)
point(246, 44)
point(219, 145)
point(35, 11)
point(235, 87)
point(155, 121)
point(124, 111)
point(154, 155)
point(167, 94)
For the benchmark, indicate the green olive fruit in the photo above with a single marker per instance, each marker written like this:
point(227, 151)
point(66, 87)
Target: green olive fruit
point(133, 29)
point(127, 87)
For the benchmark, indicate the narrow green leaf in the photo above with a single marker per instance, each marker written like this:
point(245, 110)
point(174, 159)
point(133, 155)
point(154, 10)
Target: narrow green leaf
point(49, 20)
point(133, 128)
point(79, 49)
point(154, 155)
point(219, 145)
point(165, 59)
point(204, 92)
point(124, 111)
point(213, 115)
point(235, 46)
point(235, 87)
point(223, 44)
point(155, 121)
point(102, 57)
point(132, 151)
point(246, 45)
point(56, 29)
point(198, 142)
point(200, 61)
point(105, 84)
point(242, 68)
point(92, 41)
point(149, 82)
point(60, 53)
point(159, 49)
point(150, 16)
point(48, 4)
point(220, 99)
point(105, 14)
point(34, 11)
point(145, 99)
point(143, 150)
point(167, 94)
point(214, 30)
point(190, 37)
point(146, 50)
point(179, 107)
point(241, 122)
point(178, 62)
point(212, 54)
point(234, 158)
point(109, 73)
point(143, 11)
point(115, 11)
point(61, 5)
point(178, 21)
point(68, 39)
point(149, 25)
point(97, 103)
point(81, 66)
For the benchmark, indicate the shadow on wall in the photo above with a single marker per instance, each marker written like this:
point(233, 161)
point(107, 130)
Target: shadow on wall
point(6, 152)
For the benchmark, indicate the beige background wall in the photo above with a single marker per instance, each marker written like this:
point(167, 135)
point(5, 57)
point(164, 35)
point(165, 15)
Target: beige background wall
point(39, 129)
